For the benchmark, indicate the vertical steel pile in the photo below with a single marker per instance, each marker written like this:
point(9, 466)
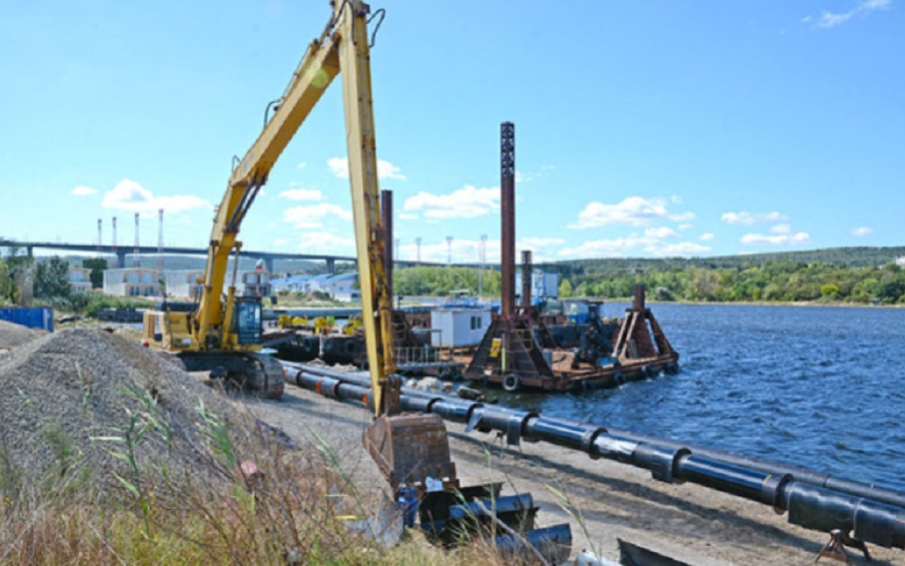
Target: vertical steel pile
point(402, 329)
point(136, 254)
point(507, 217)
point(160, 243)
point(526, 279)
point(509, 352)
point(386, 210)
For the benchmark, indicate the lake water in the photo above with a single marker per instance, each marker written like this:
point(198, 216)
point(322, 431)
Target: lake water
point(815, 387)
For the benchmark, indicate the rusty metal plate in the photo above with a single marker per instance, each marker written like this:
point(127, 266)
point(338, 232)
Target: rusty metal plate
point(410, 447)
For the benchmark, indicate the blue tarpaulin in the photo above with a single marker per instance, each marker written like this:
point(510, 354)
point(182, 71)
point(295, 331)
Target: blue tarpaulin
point(32, 317)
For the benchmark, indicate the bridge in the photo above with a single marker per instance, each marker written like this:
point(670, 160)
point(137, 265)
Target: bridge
point(121, 252)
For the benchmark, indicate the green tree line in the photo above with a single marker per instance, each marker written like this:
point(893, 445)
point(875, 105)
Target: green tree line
point(28, 281)
point(780, 280)
point(441, 281)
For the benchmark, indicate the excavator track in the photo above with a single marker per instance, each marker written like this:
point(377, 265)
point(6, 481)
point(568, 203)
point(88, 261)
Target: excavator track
point(259, 373)
point(266, 379)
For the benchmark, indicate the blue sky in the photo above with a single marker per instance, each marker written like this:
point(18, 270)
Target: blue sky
point(642, 128)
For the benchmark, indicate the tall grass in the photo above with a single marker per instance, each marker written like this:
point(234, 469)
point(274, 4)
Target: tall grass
point(300, 508)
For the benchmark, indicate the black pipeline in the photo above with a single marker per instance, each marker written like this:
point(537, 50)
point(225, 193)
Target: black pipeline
point(815, 507)
point(819, 479)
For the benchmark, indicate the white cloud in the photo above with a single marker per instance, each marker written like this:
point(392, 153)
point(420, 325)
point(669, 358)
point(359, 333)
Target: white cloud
point(385, 169)
point(781, 229)
point(797, 239)
point(521, 177)
point(602, 248)
point(541, 248)
point(675, 199)
point(682, 217)
point(829, 20)
point(660, 232)
point(302, 194)
point(467, 202)
point(302, 165)
point(325, 240)
point(463, 251)
point(633, 211)
point(706, 237)
point(314, 216)
point(685, 226)
point(683, 249)
point(280, 242)
point(619, 247)
point(862, 231)
point(748, 218)
point(532, 243)
point(129, 195)
point(83, 191)
point(271, 224)
point(407, 216)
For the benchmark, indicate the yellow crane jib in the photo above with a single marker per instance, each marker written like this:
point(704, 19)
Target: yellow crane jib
point(225, 332)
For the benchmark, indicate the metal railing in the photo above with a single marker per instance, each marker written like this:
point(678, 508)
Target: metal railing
point(418, 355)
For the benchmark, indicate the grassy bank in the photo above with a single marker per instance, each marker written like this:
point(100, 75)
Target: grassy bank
point(300, 507)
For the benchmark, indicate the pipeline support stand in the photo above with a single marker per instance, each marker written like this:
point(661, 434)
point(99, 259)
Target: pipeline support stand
point(838, 545)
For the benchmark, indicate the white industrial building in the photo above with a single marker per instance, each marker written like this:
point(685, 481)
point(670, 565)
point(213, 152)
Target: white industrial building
point(297, 283)
point(254, 284)
point(131, 282)
point(543, 285)
point(459, 328)
point(184, 283)
point(337, 283)
point(80, 279)
point(348, 296)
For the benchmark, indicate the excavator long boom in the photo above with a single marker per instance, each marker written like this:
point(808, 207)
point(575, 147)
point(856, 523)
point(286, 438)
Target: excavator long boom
point(342, 46)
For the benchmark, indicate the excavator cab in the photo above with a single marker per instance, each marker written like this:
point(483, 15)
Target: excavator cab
point(247, 317)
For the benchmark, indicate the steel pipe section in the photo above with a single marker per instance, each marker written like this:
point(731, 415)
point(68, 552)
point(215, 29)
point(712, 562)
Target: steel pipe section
point(569, 434)
point(553, 543)
point(820, 479)
point(813, 500)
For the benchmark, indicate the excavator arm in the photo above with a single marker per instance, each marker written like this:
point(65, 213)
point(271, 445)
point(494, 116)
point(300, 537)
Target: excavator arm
point(312, 77)
point(376, 298)
point(223, 334)
point(343, 45)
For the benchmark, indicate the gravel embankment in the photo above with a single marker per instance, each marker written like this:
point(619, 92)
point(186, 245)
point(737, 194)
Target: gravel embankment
point(12, 335)
point(63, 391)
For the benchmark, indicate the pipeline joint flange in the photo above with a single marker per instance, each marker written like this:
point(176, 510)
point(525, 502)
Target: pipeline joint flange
point(515, 428)
point(327, 386)
point(587, 441)
point(771, 490)
point(662, 462)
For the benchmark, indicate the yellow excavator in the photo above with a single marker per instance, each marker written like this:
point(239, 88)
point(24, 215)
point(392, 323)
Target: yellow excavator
point(223, 334)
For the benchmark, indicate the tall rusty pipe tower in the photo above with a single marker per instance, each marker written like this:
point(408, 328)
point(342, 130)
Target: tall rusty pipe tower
point(509, 353)
point(136, 261)
point(527, 268)
point(386, 211)
point(507, 212)
point(160, 243)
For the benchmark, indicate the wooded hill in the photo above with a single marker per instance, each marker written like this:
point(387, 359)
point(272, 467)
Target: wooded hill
point(857, 275)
